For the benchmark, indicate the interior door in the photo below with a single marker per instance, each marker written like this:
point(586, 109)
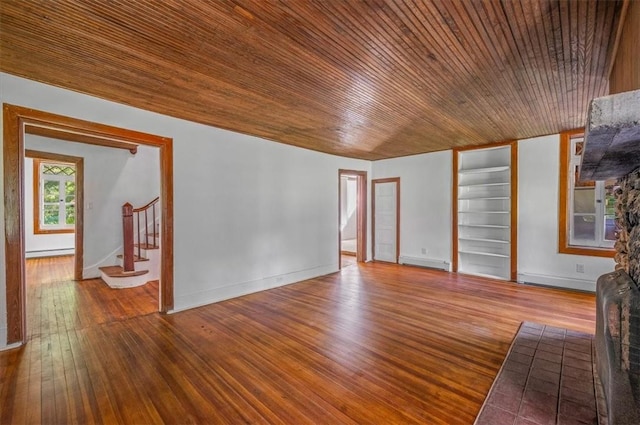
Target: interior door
point(386, 193)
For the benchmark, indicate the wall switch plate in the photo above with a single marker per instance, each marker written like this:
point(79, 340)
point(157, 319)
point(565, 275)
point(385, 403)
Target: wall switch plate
point(580, 268)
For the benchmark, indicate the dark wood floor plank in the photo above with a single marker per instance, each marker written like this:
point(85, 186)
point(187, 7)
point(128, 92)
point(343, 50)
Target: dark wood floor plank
point(375, 343)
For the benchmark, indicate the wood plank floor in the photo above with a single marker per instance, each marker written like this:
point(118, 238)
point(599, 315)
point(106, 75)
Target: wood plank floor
point(375, 343)
point(56, 303)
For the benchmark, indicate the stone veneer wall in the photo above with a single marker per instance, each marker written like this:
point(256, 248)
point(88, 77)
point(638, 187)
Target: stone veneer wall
point(627, 245)
point(627, 258)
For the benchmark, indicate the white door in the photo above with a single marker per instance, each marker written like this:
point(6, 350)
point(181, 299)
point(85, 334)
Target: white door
point(385, 221)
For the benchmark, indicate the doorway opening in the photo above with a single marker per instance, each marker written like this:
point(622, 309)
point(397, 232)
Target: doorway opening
point(19, 121)
point(385, 212)
point(54, 207)
point(352, 216)
point(348, 216)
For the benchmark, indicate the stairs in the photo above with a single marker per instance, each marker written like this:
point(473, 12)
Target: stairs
point(146, 268)
point(140, 262)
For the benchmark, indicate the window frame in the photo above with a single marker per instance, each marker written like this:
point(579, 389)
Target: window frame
point(38, 227)
point(564, 210)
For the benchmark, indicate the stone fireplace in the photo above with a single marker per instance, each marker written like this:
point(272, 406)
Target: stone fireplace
point(612, 150)
point(617, 345)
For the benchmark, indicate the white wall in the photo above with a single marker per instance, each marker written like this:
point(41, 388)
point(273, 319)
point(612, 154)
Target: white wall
point(538, 258)
point(246, 209)
point(425, 214)
point(111, 178)
point(45, 243)
point(348, 219)
point(425, 206)
point(250, 214)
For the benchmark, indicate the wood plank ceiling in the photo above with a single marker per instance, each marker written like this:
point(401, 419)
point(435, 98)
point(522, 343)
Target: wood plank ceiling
point(368, 79)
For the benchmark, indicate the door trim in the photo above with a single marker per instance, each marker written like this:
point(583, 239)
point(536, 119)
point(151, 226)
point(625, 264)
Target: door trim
point(361, 214)
point(17, 121)
point(395, 180)
point(78, 259)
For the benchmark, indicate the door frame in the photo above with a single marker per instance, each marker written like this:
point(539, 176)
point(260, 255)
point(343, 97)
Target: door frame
point(18, 121)
point(78, 255)
point(361, 214)
point(395, 180)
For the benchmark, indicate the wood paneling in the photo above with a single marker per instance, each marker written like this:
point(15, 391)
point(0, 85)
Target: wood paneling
point(625, 74)
point(17, 120)
point(376, 343)
point(13, 175)
point(365, 79)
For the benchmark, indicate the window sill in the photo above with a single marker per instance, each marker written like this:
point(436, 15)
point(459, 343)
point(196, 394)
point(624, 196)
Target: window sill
point(588, 251)
point(52, 231)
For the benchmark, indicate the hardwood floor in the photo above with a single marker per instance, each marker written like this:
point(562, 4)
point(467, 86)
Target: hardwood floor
point(57, 303)
point(375, 343)
point(347, 260)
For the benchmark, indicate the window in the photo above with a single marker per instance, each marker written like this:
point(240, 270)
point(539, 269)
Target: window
point(54, 197)
point(587, 209)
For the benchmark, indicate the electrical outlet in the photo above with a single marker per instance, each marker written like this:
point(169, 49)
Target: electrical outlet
point(424, 251)
point(580, 268)
point(279, 279)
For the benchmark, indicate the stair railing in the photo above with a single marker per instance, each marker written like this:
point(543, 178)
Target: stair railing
point(135, 221)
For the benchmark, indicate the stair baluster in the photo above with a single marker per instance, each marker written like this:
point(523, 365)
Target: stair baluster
point(143, 233)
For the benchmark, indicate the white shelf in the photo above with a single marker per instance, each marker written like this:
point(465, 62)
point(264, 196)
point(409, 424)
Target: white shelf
point(483, 240)
point(484, 170)
point(488, 226)
point(484, 184)
point(484, 197)
point(487, 254)
point(483, 212)
point(491, 276)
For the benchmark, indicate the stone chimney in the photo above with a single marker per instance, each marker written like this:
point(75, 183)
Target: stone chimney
point(612, 151)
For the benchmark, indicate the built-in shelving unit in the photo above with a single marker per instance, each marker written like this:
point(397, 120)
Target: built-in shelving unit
point(485, 211)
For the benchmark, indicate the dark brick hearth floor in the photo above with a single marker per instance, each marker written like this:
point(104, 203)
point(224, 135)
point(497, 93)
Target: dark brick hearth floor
point(547, 378)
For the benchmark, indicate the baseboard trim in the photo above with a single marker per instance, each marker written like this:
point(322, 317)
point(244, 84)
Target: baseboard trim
point(556, 281)
point(425, 262)
point(214, 295)
point(93, 271)
point(3, 341)
point(49, 253)
point(10, 346)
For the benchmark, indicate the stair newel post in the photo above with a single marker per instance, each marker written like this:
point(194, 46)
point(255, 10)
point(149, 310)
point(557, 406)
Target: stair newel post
point(127, 232)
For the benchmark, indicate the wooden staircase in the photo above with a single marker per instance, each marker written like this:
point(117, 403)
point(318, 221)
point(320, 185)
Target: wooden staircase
point(140, 261)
